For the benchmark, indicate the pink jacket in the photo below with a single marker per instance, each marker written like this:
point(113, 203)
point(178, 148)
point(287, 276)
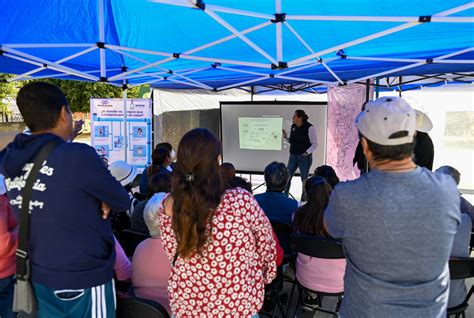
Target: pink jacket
point(122, 266)
point(8, 238)
point(150, 271)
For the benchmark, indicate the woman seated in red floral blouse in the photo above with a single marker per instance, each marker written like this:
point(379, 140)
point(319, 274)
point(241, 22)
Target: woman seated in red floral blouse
point(219, 242)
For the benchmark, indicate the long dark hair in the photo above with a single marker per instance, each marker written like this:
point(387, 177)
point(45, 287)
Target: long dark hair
point(302, 114)
point(158, 158)
point(196, 189)
point(309, 218)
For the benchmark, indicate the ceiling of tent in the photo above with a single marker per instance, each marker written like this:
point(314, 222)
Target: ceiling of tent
point(214, 44)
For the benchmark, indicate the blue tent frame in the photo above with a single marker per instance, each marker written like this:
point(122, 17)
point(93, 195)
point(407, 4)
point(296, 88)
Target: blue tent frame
point(218, 45)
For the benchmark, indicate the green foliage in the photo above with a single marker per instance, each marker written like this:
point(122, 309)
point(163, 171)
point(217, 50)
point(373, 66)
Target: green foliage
point(8, 90)
point(77, 93)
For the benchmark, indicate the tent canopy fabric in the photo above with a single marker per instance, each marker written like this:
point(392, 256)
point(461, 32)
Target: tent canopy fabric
point(212, 44)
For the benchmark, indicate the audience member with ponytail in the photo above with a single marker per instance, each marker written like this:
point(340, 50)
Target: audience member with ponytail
point(325, 275)
point(219, 242)
point(161, 159)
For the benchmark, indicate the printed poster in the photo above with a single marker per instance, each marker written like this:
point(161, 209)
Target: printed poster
point(116, 139)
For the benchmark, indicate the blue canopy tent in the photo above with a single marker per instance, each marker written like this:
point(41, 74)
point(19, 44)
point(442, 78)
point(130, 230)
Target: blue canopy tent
point(219, 45)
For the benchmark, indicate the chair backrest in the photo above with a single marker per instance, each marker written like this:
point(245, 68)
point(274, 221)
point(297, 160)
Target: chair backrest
point(129, 306)
point(283, 232)
point(130, 239)
point(316, 246)
point(461, 268)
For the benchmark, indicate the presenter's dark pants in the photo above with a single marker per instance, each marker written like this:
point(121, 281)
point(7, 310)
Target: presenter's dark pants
point(304, 164)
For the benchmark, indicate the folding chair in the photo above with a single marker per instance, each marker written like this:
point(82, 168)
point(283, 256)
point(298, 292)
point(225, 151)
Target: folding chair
point(130, 239)
point(461, 268)
point(129, 306)
point(316, 247)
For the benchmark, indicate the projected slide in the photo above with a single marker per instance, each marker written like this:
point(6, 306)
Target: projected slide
point(260, 133)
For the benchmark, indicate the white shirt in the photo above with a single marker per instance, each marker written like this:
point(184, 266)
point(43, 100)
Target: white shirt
point(312, 139)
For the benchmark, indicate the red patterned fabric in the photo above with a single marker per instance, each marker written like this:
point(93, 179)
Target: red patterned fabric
point(228, 279)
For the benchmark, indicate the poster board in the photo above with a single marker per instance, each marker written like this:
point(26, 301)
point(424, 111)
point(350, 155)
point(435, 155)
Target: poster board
point(116, 139)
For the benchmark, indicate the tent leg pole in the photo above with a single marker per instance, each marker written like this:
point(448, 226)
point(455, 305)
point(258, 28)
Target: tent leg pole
point(124, 98)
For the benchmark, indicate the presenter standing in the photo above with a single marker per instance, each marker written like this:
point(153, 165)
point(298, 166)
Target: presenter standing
point(303, 143)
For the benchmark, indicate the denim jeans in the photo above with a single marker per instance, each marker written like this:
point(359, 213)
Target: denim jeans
point(304, 164)
point(6, 297)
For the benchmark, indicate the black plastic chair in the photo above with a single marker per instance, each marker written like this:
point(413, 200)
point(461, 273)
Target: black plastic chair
point(316, 247)
point(283, 232)
point(130, 239)
point(129, 306)
point(461, 268)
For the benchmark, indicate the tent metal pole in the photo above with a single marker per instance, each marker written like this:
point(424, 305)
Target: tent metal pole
point(52, 65)
point(378, 34)
point(353, 42)
point(201, 85)
point(453, 61)
point(381, 59)
point(189, 84)
point(124, 75)
point(305, 80)
point(227, 38)
point(240, 71)
point(332, 72)
point(399, 86)
point(291, 70)
point(377, 88)
point(47, 45)
point(279, 35)
point(131, 49)
point(162, 79)
point(250, 43)
point(377, 18)
point(103, 67)
point(124, 99)
point(39, 69)
point(241, 83)
point(189, 57)
point(223, 61)
point(296, 34)
point(239, 12)
point(312, 51)
point(180, 3)
point(412, 65)
point(62, 74)
point(398, 69)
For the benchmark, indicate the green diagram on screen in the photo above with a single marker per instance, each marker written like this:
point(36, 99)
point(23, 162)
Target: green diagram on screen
point(258, 133)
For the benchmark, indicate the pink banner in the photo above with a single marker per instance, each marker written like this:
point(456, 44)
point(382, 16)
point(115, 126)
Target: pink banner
point(344, 104)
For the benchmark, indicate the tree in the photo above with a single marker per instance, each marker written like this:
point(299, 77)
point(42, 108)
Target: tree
point(77, 93)
point(8, 90)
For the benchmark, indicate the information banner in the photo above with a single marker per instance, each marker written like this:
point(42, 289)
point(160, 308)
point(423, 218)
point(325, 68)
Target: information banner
point(344, 104)
point(109, 130)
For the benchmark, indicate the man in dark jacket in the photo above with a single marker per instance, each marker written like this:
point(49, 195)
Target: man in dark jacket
point(70, 245)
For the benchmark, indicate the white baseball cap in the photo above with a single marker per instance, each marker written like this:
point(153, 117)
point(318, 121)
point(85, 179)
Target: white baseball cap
point(384, 117)
point(124, 172)
point(423, 122)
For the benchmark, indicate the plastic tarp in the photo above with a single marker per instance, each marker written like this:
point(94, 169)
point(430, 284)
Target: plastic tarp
point(217, 45)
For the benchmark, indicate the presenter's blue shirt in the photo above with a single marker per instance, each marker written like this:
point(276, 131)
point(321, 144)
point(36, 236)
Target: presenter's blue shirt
point(277, 206)
point(70, 245)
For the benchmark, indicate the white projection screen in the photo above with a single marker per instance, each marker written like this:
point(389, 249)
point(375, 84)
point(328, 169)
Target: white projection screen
point(251, 132)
